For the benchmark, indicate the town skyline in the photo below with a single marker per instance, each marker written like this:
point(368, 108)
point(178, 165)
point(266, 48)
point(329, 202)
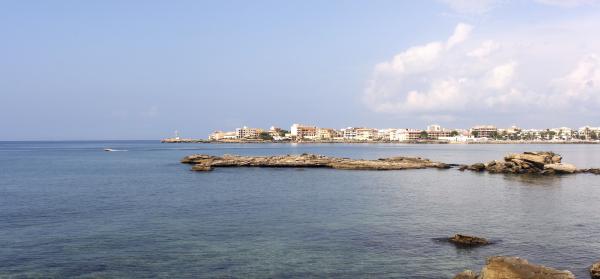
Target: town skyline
point(304, 132)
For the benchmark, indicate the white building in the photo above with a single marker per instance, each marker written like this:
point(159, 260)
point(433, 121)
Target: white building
point(386, 134)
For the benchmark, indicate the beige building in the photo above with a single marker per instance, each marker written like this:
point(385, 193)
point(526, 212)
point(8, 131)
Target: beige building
point(436, 131)
point(300, 131)
point(220, 135)
point(247, 133)
point(366, 134)
point(326, 133)
point(407, 134)
point(484, 131)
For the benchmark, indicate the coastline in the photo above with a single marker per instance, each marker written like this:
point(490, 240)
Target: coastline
point(370, 142)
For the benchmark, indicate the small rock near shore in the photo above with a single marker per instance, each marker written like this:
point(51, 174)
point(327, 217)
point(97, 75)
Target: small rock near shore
point(468, 240)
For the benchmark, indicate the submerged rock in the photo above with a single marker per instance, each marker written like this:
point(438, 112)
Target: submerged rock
point(204, 162)
point(595, 271)
point(468, 240)
point(501, 267)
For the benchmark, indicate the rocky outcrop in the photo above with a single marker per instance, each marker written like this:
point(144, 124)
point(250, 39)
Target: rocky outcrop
point(500, 267)
point(468, 240)
point(207, 162)
point(595, 271)
point(546, 163)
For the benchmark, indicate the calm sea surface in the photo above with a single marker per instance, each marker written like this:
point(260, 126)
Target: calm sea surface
point(69, 209)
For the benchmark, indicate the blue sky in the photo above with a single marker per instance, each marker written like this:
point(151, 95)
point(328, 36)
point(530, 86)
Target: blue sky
point(142, 69)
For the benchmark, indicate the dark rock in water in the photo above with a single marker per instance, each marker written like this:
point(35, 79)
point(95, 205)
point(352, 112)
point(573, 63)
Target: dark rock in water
point(595, 271)
point(477, 167)
point(500, 267)
point(463, 167)
point(203, 162)
point(467, 274)
point(592, 171)
point(468, 240)
point(201, 167)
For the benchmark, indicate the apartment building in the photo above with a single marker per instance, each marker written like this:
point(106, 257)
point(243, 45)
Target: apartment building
point(484, 131)
point(247, 133)
point(300, 131)
point(386, 134)
point(407, 134)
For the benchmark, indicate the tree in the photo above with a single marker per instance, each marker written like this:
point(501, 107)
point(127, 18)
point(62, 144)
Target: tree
point(475, 133)
point(424, 135)
point(594, 135)
point(283, 132)
point(494, 135)
point(454, 133)
point(265, 136)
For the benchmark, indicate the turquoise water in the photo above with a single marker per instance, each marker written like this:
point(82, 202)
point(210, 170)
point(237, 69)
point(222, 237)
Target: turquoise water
point(69, 209)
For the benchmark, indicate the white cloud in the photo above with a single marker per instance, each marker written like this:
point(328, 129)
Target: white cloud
point(533, 70)
point(486, 48)
point(583, 82)
point(461, 33)
point(500, 76)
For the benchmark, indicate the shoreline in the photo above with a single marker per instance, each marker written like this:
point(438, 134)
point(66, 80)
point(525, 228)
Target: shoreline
point(372, 142)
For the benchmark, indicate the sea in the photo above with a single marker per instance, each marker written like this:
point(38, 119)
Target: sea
point(69, 209)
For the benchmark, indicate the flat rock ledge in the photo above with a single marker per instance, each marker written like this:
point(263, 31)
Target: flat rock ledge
point(501, 267)
point(543, 162)
point(203, 162)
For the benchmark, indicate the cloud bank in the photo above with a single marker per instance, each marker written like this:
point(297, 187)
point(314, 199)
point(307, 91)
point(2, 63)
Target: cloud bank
point(545, 70)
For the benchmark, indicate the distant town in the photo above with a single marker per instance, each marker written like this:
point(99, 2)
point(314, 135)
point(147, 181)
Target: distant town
point(431, 134)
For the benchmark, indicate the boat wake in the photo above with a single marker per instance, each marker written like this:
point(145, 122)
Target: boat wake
point(114, 150)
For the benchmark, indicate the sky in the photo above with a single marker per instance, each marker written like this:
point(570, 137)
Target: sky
point(85, 70)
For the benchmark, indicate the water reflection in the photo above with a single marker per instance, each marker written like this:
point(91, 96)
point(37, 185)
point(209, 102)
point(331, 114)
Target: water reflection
point(535, 179)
